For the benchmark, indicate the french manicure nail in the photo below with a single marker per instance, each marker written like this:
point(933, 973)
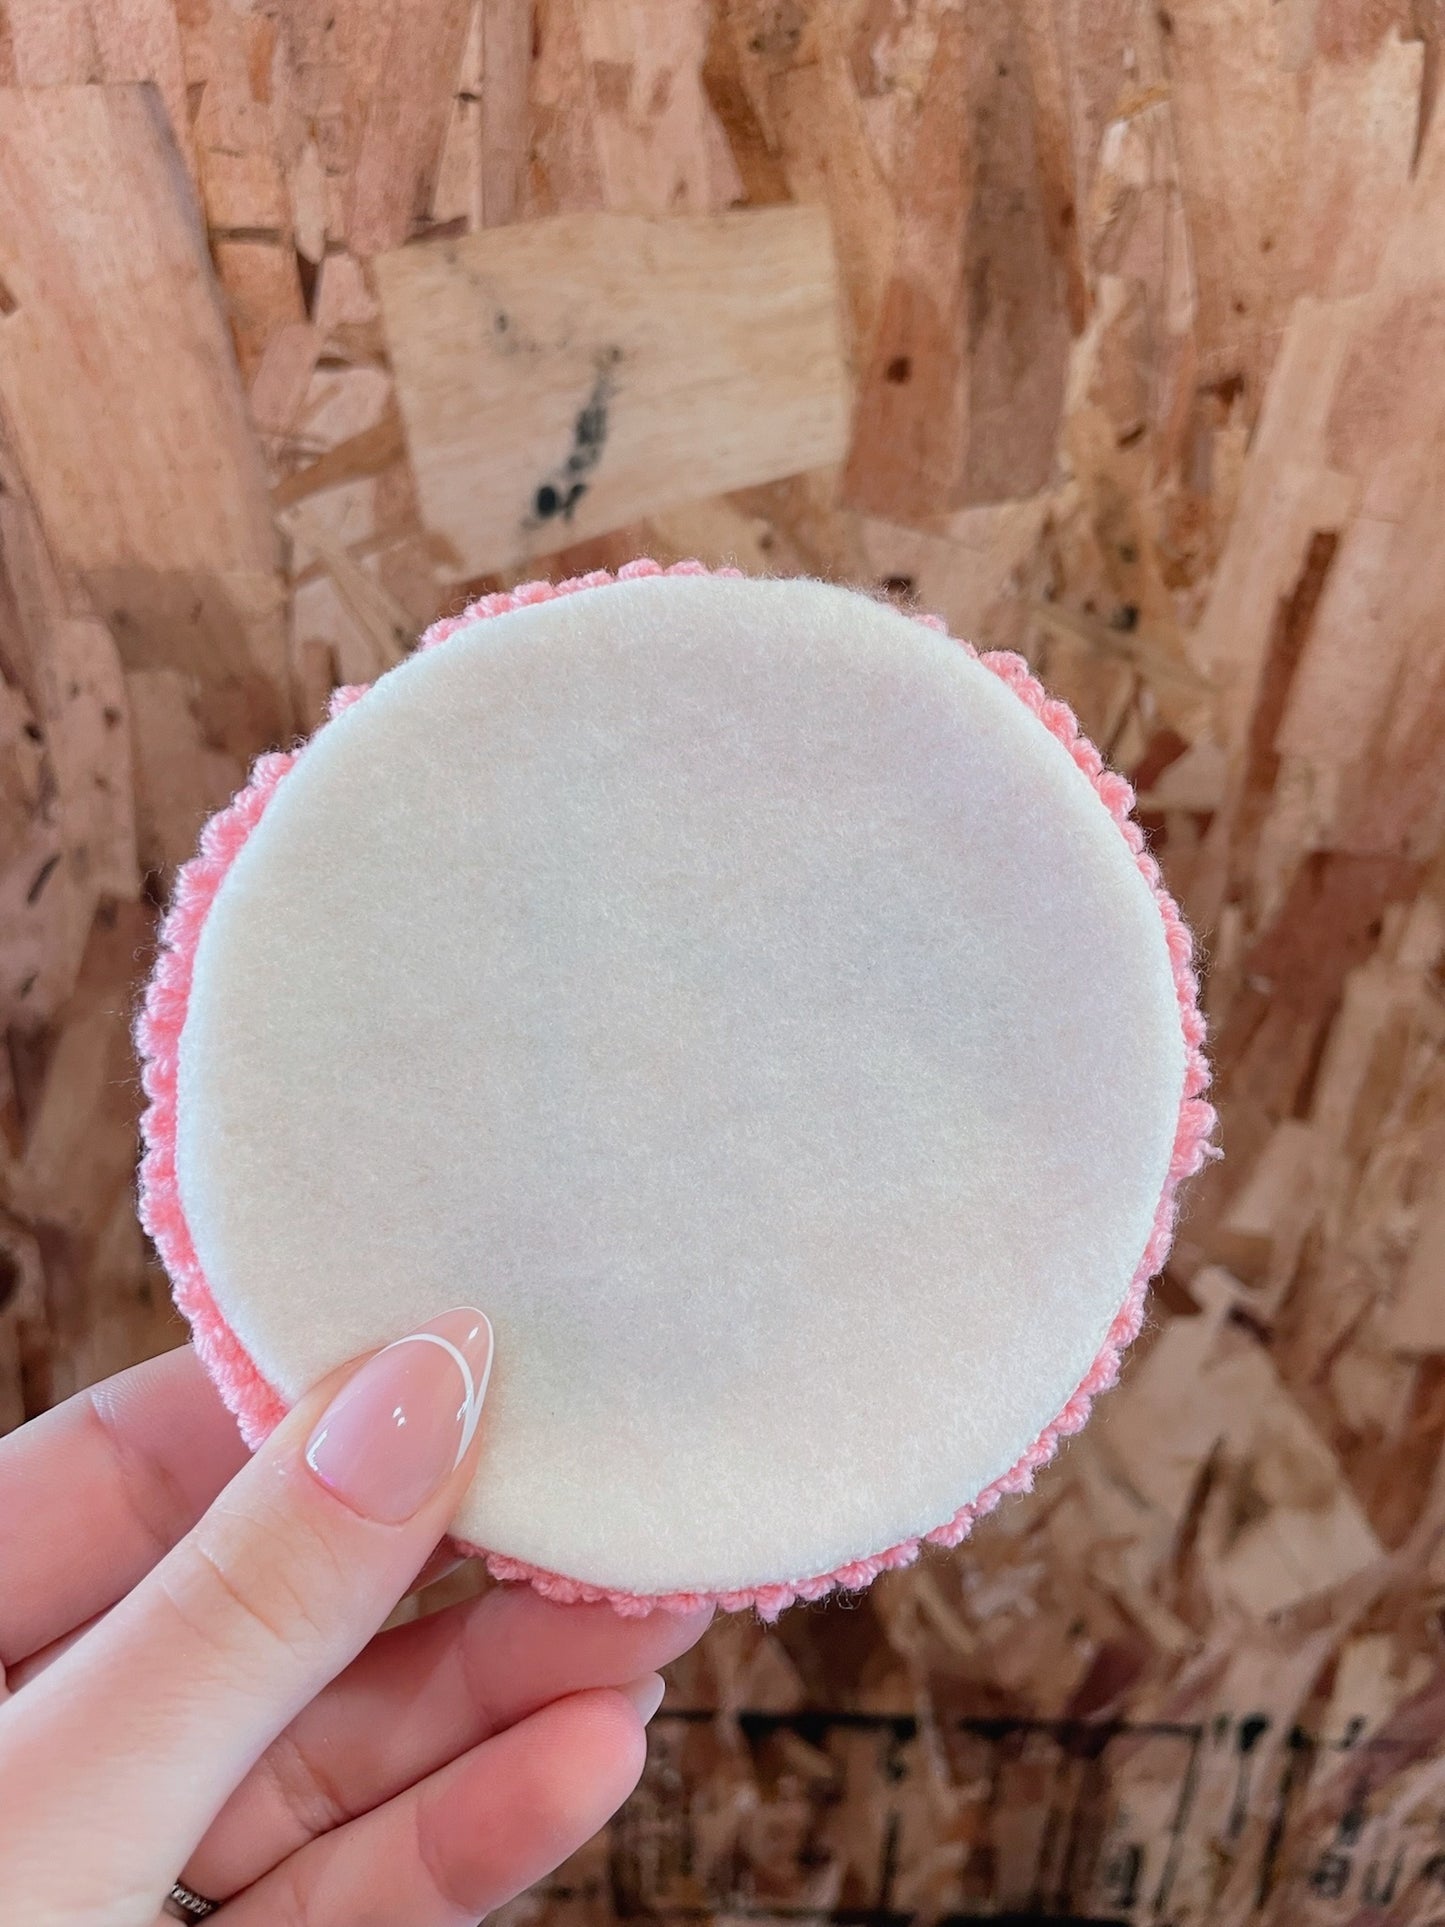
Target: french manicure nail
point(645, 1693)
point(402, 1424)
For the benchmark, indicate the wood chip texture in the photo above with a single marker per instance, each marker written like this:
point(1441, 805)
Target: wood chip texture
point(1114, 334)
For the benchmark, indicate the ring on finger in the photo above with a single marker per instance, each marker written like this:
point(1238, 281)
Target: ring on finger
point(184, 1903)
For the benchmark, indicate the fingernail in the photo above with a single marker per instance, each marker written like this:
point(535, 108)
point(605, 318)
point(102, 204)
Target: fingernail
point(645, 1693)
point(399, 1427)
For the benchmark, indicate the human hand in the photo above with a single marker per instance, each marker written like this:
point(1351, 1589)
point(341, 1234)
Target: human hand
point(198, 1693)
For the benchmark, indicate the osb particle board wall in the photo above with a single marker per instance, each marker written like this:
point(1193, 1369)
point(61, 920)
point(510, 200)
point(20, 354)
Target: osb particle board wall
point(1123, 342)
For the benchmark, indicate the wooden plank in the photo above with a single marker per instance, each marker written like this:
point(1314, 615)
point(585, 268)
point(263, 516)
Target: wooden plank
point(560, 378)
point(128, 415)
point(457, 192)
point(659, 149)
point(1224, 220)
point(822, 134)
point(374, 83)
point(968, 573)
point(963, 391)
point(65, 43)
point(1416, 1320)
point(72, 1183)
point(1290, 187)
point(1260, 1235)
point(1297, 1528)
point(506, 50)
point(67, 819)
point(1234, 75)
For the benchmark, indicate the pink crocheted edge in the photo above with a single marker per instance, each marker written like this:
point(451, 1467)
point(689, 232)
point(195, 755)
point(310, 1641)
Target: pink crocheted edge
point(257, 1405)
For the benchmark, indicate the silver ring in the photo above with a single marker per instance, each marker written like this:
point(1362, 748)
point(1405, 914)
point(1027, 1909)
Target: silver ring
point(184, 1903)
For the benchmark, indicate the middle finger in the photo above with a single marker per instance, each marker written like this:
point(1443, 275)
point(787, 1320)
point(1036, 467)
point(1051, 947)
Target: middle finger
point(417, 1698)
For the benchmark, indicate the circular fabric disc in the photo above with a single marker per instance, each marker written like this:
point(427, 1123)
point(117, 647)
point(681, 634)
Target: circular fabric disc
point(742, 995)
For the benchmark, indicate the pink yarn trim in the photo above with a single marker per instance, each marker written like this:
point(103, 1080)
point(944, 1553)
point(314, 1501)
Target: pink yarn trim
point(257, 1405)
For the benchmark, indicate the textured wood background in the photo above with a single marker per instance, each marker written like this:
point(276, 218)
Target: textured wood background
point(1129, 354)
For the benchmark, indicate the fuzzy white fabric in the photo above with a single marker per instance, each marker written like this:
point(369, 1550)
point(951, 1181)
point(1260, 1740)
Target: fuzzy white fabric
point(736, 992)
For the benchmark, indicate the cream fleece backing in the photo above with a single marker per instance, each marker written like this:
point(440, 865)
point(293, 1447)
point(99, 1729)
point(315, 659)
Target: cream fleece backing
point(736, 992)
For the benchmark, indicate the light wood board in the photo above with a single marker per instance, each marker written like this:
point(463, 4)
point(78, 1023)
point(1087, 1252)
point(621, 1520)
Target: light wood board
point(560, 378)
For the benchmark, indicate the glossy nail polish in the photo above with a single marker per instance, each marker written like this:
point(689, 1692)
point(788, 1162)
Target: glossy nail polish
point(401, 1424)
point(646, 1694)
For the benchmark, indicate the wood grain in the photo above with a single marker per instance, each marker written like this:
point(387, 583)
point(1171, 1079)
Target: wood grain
point(158, 507)
point(561, 378)
point(1136, 369)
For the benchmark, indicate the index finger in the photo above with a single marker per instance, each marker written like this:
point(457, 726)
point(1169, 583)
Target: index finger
point(278, 1587)
point(95, 1492)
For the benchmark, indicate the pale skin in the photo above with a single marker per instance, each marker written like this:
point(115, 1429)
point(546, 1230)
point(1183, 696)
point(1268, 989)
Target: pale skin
point(193, 1685)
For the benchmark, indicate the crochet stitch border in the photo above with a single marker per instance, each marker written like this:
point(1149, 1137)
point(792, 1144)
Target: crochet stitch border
point(258, 1406)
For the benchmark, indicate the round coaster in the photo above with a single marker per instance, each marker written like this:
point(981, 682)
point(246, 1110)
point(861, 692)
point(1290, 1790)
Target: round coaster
point(756, 1002)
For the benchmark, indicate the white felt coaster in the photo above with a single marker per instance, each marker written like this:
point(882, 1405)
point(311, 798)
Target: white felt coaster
point(736, 992)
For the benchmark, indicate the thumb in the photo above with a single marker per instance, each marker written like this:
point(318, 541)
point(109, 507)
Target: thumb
point(154, 1716)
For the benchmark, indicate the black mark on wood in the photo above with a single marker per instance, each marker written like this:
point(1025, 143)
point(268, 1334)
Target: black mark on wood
point(564, 488)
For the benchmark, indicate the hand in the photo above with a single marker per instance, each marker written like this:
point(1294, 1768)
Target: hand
point(190, 1693)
